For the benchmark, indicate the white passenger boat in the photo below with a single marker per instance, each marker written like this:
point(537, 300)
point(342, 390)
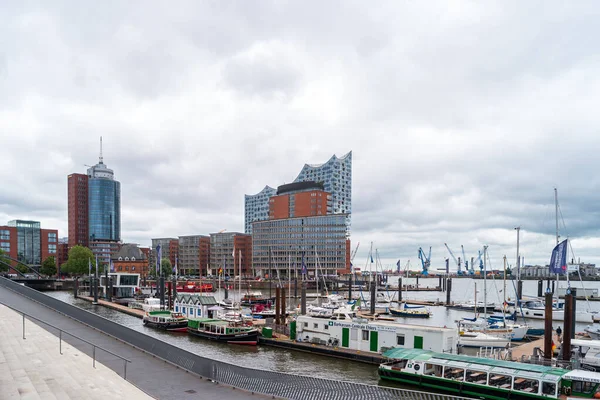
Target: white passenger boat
point(480, 339)
point(151, 304)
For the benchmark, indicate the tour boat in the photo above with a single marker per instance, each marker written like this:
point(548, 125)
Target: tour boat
point(222, 331)
point(487, 378)
point(166, 320)
point(255, 298)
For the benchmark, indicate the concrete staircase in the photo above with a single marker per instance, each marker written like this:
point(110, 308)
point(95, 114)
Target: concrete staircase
point(34, 369)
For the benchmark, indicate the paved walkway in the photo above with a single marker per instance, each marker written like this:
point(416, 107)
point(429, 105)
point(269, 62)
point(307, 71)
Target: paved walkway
point(157, 378)
point(34, 369)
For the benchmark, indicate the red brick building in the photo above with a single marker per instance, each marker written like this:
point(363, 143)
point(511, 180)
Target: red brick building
point(242, 244)
point(49, 244)
point(62, 254)
point(77, 187)
point(204, 254)
point(8, 242)
point(302, 199)
point(130, 258)
point(27, 242)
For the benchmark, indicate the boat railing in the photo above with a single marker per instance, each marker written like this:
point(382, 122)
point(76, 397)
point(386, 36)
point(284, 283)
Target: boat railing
point(60, 340)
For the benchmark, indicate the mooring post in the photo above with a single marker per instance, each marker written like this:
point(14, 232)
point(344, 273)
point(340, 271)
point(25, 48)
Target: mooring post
point(282, 302)
point(296, 289)
point(540, 288)
point(440, 283)
point(448, 290)
point(95, 290)
point(277, 304)
point(519, 290)
point(106, 284)
point(110, 289)
point(574, 311)
point(303, 299)
point(161, 291)
point(372, 299)
point(400, 290)
point(350, 287)
point(567, 329)
point(76, 287)
point(548, 326)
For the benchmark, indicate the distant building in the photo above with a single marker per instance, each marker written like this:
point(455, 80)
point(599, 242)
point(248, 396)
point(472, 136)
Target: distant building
point(281, 244)
point(539, 271)
point(94, 209)
point(303, 199)
point(104, 250)
point(27, 242)
point(257, 207)
point(194, 253)
point(222, 247)
point(62, 253)
point(130, 258)
point(169, 248)
point(336, 177)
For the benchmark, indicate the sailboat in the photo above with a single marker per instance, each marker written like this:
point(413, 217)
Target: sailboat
point(535, 309)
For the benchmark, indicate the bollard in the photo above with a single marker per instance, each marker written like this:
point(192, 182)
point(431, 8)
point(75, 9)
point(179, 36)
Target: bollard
point(448, 290)
point(548, 326)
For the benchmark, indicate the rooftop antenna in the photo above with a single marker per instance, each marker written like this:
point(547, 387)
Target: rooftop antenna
point(101, 158)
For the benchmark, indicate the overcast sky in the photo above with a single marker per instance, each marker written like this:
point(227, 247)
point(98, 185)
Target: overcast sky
point(462, 116)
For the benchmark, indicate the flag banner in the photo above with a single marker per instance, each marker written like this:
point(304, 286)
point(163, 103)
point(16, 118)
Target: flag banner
point(233, 253)
point(371, 258)
point(96, 265)
point(112, 266)
point(175, 267)
point(398, 266)
point(558, 262)
point(351, 267)
point(158, 258)
point(304, 269)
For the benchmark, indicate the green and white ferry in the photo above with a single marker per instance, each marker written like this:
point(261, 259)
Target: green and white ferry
point(487, 378)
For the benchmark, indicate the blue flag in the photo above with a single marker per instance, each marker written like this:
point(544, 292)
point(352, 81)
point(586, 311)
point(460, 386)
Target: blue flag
point(398, 266)
point(112, 266)
point(558, 263)
point(158, 258)
point(371, 258)
point(304, 269)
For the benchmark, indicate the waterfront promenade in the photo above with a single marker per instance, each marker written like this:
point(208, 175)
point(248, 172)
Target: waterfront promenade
point(34, 369)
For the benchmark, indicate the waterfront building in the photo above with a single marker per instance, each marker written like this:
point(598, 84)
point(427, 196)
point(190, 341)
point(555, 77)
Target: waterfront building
point(336, 177)
point(62, 251)
point(77, 187)
point(222, 248)
point(104, 250)
point(194, 254)
point(543, 271)
point(257, 207)
point(130, 258)
point(374, 336)
point(302, 199)
point(94, 209)
point(27, 242)
point(194, 306)
point(321, 241)
point(169, 248)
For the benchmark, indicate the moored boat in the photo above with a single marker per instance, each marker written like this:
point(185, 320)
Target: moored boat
point(222, 331)
point(410, 312)
point(255, 298)
point(487, 378)
point(166, 320)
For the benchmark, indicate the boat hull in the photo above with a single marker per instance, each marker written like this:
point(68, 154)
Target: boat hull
point(241, 338)
point(411, 313)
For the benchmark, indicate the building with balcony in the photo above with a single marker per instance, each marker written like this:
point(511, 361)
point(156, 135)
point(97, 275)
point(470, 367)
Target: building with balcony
point(280, 245)
point(169, 248)
point(194, 254)
point(223, 246)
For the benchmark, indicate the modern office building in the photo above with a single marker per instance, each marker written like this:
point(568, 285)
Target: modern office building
point(194, 253)
point(77, 185)
point(169, 248)
point(94, 208)
point(336, 177)
point(302, 199)
point(280, 245)
point(223, 246)
point(27, 242)
point(256, 207)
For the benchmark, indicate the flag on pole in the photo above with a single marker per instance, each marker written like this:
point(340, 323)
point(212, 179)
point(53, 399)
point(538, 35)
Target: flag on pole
point(304, 269)
point(233, 252)
point(96, 265)
point(112, 266)
point(90, 265)
point(558, 262)
point(351, 267)
point(398, 266)
point(175, 267)
point(158, 259)
point(371, 258)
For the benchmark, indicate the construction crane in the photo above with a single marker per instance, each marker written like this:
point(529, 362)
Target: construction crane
point(425, 260)
point(454, 258)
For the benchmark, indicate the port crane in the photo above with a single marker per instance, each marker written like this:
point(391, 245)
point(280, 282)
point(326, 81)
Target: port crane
point(454, 258)
point(425, 260)
point(352, 257)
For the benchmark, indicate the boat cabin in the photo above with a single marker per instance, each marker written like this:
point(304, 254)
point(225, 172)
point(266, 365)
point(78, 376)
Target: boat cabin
point(194, 305)
point(164, 317)
point(217, 326)
point(373, 336)
point(587, 352)
point(124, 285)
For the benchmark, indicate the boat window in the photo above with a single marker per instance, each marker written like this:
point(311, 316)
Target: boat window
point(454, 373)
point(316, 326)
point(365, 335)
point(433, 370)
point(501, 381)
point(176, 308)
point(400, 364)
point(549, 388)
point(325, 326)
point(583, 387)
point(479, 377)
point(306, 324)
point(183, 310)
point(526, 385)
point(400, 340)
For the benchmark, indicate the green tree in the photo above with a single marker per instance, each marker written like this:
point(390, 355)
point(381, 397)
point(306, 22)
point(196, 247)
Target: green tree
point(167, 268)
point(77, 263)
point(3, 261)
point(22, 269)
point(48, 266)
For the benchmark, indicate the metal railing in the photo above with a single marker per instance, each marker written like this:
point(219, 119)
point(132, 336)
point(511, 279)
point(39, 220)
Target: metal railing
point(60, 332)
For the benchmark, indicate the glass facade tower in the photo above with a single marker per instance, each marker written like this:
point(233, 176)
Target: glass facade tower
point(104, 204)
point(28, 241)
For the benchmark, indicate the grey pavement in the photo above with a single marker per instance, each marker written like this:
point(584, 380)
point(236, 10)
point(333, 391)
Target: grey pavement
point(154, 376)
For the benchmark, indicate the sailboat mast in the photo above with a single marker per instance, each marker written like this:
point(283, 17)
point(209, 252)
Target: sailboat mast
point(484, 281)
point(504, 293)
point(557, 238)
point(240, 276)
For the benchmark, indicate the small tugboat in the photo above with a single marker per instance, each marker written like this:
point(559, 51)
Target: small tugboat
point(487, 378)
point(222, 331)
point(166, 320)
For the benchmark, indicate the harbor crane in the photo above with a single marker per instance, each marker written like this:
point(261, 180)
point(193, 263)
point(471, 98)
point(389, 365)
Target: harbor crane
point(454, 258)
point(425, 260)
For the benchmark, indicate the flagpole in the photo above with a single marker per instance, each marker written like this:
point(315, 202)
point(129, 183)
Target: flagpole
point(240, 274)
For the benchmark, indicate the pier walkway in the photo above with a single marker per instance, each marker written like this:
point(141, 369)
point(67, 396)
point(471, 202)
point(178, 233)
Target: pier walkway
point(157, 378)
